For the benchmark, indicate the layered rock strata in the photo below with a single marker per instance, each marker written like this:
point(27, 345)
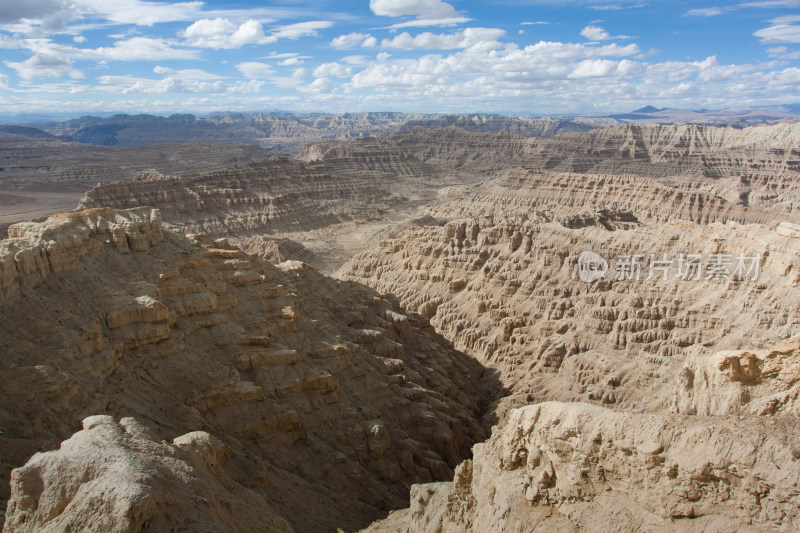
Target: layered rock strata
point(276, 194)
point(508, 291)
point(693, 173)
point(696, 173)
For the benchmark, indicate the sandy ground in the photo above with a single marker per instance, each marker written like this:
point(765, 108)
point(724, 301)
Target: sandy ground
point(335, 245)
point(19, 206)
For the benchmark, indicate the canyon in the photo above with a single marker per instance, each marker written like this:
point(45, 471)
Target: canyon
point(434, 330)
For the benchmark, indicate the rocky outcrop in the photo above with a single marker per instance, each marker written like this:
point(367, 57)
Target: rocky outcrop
point(757, 382)
point(647, 277)
point(331, 398)
point(259, 205)
point(525, 126)
point(577, 467)
point(35, 250)
point(560, 195)
point(121, 477)
point(635, 290)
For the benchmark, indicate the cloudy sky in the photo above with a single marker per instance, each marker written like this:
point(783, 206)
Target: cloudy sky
point(510, 56)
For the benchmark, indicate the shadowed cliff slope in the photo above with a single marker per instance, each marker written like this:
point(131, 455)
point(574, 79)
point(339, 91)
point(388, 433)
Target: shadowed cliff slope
point(330, 399)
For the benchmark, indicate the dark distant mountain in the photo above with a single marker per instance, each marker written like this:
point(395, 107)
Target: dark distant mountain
point(24, 131)
point(278, 131)
point(102, 134)
point(734, 117)
point(647, 109)
point(526, 126)
point(37, 118)
point(643, 113)
point(784, 108)
point(288, 132)
point(633, 116)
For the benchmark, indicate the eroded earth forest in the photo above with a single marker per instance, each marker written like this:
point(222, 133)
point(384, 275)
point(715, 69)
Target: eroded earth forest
point(396, 323)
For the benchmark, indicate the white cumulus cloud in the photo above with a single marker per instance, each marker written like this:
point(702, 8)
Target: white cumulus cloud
point(595, 33)
point(11, 11)
point(438, 41)
point(350, 40)
point(254, 69)
point(140, 49)
point(319, 85)
point(44, 66)
point(595, 68)
point(427, 12)
point(188, 81)
point(332, 70)
point(425, 9)
point(301, 29)
point(221, 33)
point(165, 86)
point(139, 12)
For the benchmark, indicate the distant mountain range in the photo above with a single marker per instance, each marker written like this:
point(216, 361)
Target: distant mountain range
point(725, 117)
point(281, 132)
point(288, 132)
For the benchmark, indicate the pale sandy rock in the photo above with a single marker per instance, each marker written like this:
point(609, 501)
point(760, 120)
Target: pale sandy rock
point(761, 382)
point(121, 478)
point(787, 229)
point(577, 467)
point(275, 194)
point(336, 196)
point(691, 172)
point(34, 250)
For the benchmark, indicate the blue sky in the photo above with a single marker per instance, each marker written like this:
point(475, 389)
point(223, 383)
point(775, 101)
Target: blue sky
point(513, 56)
